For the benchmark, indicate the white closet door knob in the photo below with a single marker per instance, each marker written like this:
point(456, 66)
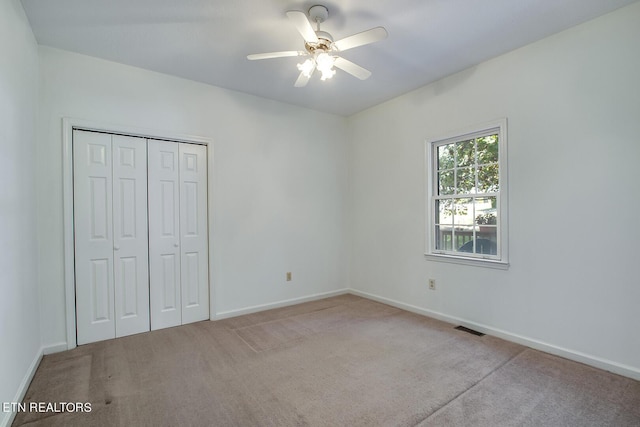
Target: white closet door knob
point(116, 248)
point(175, 245)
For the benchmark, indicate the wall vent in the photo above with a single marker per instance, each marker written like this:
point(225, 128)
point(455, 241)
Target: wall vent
point(471, 331)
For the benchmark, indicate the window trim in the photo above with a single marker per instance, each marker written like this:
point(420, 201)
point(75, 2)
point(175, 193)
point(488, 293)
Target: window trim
point(502, 260)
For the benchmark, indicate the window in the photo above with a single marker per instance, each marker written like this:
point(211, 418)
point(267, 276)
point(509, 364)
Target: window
point(467, 197)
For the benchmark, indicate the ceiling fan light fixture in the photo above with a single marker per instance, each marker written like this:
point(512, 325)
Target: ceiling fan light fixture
point(307, 67)
point(327, 73)
point(324, 63)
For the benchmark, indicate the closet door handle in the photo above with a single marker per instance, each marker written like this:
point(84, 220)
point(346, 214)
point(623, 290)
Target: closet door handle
point(116, 248)
point(175, 245)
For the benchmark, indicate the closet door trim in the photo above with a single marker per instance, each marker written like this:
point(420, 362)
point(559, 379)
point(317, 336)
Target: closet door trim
point(70, 124)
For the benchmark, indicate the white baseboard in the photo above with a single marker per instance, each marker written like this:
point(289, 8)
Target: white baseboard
point(7, 417)
point(597, 362)
point(55, 348)
point(277, 304)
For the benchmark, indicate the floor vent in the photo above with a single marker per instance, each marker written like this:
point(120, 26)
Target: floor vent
point(471, 331)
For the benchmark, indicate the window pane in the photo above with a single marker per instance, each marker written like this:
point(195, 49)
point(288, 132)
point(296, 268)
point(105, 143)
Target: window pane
point(466, 153)
point(487, 149)
point(485, 211)
point(443, 212)
point(444, 238)
point(446, 157)
point(486, 240)
point(463, 212)
point(466, 180)
point(488, 179)
point(445, 183)
point(487, 232)
point(463, 239)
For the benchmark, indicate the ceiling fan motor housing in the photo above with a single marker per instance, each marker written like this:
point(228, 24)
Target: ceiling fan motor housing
point(325, 43)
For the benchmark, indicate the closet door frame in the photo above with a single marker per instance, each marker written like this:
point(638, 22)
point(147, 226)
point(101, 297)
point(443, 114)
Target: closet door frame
point(68, 126)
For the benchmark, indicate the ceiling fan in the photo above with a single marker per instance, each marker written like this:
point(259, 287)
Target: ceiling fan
point(320, 48)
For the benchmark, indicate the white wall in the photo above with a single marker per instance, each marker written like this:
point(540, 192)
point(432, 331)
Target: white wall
point(573, 108)
point(280, 179)
point(19, 317)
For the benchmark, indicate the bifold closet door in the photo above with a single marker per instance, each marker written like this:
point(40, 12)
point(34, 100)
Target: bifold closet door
point(110, 227)
point(130, 234)
point(164, 234)
point(193, 232)
point(178, 243)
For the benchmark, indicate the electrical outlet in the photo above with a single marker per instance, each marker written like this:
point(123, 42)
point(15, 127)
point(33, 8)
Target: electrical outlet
point(288, 276)
point(432, 284)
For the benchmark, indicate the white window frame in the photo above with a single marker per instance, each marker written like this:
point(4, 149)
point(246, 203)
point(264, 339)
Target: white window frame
point(501, 259)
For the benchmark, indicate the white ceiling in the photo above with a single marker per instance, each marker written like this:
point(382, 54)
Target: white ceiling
point(208, 40)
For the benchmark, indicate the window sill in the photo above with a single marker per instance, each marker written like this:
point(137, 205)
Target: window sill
point(475, 262)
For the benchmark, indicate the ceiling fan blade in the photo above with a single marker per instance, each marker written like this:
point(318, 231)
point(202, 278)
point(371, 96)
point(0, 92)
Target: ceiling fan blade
point(360, 39)
point(351, 68)
point(302, 80)
point(303, 26)
point(270, 55)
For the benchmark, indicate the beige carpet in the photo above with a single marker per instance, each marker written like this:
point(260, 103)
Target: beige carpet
point(342, 361)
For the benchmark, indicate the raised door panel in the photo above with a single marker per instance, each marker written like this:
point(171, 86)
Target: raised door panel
point(164, 234)
point(194, 233)
point(130, 246)
point(93, 234)
point(99, 290)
